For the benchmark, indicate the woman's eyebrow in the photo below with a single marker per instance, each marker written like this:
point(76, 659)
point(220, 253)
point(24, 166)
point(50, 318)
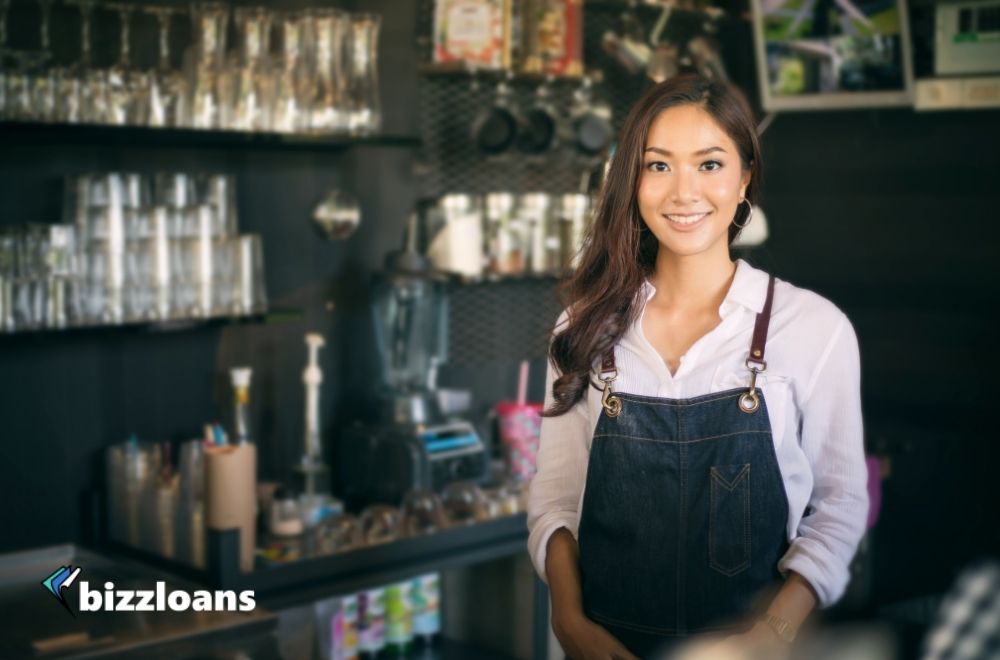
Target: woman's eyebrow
point(700, 152)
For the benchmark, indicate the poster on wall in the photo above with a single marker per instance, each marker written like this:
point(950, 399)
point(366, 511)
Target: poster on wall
point(827, 54)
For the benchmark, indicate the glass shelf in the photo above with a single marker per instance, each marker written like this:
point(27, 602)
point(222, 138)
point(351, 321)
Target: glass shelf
point(34, 133)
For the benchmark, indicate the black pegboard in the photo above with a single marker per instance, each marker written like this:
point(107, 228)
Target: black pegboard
point(449, 103)
point(505, 321)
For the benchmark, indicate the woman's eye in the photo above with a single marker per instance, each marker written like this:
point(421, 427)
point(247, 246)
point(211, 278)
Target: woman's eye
point(657, 166)
point(711, 165)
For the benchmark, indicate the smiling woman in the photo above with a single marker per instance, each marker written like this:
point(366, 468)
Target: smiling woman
point(697, 487)
point(689, 193)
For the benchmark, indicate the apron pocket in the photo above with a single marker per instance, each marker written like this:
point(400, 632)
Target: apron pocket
point(729, 519)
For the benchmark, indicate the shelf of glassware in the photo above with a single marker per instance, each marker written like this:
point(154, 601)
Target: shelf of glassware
point(12, 132)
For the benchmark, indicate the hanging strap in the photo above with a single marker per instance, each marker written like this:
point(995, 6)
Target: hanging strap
point(760, 327)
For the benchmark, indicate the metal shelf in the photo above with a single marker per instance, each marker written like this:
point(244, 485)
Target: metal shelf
point(34, 133)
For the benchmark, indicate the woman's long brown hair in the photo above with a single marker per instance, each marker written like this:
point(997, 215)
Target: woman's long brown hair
point(619, 251)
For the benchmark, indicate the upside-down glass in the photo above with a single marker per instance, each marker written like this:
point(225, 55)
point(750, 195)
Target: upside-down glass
point(168, 87)
point(423, 513)
point(41, 73)
point(291, 112)
point(465, 503)
point(380, 524)
point(8, 271)
point(365, 111)
point(247, 291)
point(4, 62)
point(326, 90)
point(252, 102)
point(128, 88)
point(148, 269)
point(103, 249)
point(91, 83)
point(193, 258)
point(211, 20)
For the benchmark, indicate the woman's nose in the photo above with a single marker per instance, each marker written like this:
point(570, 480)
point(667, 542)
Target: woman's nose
point(685, 188)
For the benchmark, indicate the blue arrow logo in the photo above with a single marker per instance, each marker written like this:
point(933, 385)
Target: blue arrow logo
point(61, 579)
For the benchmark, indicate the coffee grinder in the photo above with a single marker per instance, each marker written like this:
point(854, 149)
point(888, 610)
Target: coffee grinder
point(414, 441)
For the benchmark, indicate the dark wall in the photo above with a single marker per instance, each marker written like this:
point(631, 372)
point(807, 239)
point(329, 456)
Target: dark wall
point(889, 213)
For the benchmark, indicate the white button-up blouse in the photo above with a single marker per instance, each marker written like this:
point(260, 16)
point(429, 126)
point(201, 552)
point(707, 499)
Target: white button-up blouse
point(813, 393)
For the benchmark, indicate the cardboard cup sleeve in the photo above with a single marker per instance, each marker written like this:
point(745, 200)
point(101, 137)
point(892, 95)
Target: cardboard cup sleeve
point(231, 495)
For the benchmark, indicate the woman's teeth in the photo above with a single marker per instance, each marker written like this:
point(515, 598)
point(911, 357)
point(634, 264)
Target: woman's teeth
point(686, 219)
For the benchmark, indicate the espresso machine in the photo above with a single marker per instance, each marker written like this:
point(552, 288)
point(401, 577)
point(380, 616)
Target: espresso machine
point(416, 440)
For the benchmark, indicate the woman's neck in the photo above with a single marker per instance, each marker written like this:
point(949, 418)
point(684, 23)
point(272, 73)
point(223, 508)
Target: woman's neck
point(692, 283)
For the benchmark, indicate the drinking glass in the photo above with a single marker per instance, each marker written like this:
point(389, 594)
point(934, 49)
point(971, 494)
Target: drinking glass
point(168, 87)
point(103, 249)
point(211, 21)
point(291, 112)
point(465, 503)
point(127, 88)
point(5, 62)
point(148, 270)
point(41, 75)
point(365, 110)
point(326, 90)
point(8, 271)
point(248, 294)
point(423, 513)
point(252, 101)
point(380, 524)
point(193, 267)
point(91, 84)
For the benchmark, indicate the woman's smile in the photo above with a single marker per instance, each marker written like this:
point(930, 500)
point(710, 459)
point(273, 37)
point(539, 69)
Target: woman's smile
point(686, 221)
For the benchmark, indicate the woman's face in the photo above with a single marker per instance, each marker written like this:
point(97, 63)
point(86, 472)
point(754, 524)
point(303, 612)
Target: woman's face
point(691, 182)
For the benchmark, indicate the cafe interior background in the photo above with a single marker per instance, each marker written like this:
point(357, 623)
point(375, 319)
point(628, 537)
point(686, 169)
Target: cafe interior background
point(328, 244)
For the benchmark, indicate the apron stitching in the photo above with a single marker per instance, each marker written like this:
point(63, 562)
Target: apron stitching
point(658, 401)
point(677, 442)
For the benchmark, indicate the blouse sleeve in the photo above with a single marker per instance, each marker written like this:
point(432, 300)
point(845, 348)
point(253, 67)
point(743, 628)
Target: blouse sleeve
point(556, 489)
point(833, 441)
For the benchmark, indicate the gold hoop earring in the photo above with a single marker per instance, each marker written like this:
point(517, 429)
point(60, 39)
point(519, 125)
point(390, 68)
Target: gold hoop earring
point(749, 215)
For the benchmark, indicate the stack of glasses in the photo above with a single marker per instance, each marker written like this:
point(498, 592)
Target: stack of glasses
point(132, 249)
point(322, 77)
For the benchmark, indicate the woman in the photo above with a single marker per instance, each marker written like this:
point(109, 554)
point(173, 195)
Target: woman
point(701, 466)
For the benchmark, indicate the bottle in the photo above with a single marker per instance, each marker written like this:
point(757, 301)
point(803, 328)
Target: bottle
point(346, 645)
point(398, 624)
point(371, 623)
point(425, 598)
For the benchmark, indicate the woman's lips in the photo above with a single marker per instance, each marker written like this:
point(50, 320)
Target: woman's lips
point(686, 221)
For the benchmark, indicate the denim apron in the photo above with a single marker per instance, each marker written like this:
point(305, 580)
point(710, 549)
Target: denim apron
point(684, 511)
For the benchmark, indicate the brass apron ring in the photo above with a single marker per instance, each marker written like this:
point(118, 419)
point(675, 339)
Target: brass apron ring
point(612, 404)
point(749, 402)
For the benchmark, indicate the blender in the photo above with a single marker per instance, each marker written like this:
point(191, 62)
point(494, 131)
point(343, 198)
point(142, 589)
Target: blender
point(414, 441)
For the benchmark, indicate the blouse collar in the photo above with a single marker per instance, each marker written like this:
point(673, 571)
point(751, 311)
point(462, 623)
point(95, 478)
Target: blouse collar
point(748, 289)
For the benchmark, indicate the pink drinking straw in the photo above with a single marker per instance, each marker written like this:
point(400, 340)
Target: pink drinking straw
point(522, 384)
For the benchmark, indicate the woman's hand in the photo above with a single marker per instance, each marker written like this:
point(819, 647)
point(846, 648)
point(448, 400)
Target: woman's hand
point(582, 639)
point(757, 643)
